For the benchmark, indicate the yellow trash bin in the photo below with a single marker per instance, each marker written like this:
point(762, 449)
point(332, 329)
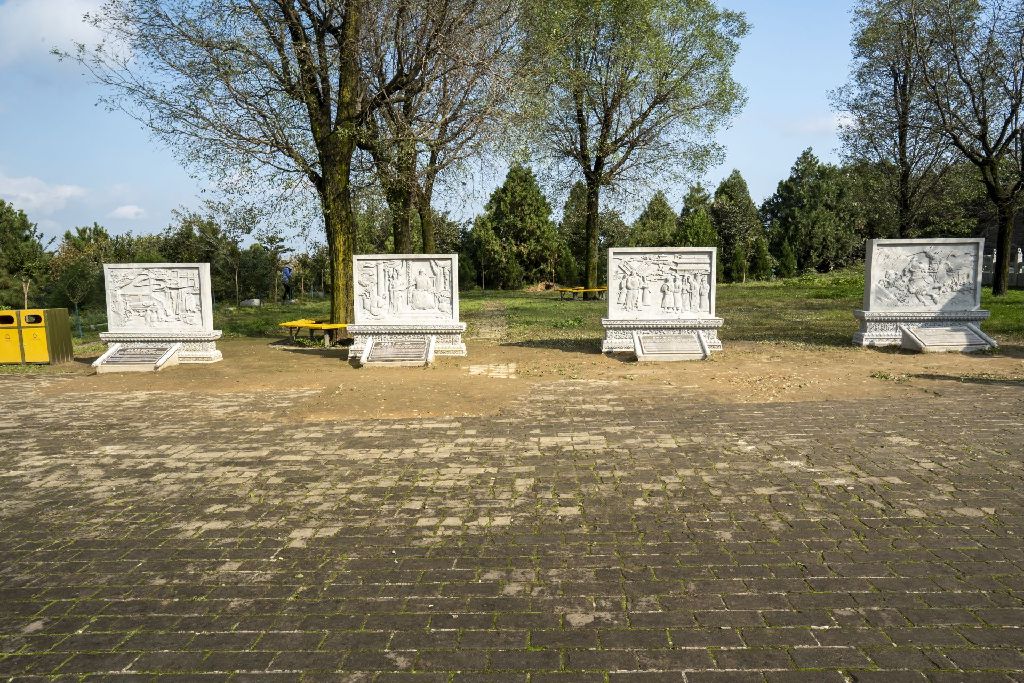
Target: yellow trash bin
point(10, 338)
point(46, 335)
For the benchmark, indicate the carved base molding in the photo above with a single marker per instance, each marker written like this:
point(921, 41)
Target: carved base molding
point(618, 334)
point(199, 347)
point(883, 328)
point(448, 337)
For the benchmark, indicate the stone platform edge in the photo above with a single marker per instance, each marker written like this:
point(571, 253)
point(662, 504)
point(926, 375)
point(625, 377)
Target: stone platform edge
point(448, 336)
point(882, 328)
point(618, 334)
point(196, 347)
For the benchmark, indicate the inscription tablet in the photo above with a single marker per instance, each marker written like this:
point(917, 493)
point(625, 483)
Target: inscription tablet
point(404, 351)
point(662, 347)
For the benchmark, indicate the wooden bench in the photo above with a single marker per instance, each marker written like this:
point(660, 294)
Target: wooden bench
point(329, 329)
point(578, 292)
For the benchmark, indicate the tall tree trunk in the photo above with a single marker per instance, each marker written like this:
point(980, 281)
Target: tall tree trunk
point(397, 176)
point(593, 206)
point(1001, 268)
point(424, 198)
point(903, 199)
point(336, 198)
point(399, 201)
point(25, 284)
point(335, 151)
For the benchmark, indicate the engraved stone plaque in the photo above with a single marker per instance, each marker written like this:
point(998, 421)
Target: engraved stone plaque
point(404, 351)
point(919, 283)
point(660, 291)
point(161, 303)
point(961, 338)
point(406, 289)
point(668, 347)
point(143, 358)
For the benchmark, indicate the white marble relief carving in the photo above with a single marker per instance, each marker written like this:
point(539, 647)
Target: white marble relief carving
point(154, 298)
point(405, 289)
point(157, 297)
point(924, 278)
point(662, 291)
point(660, 284)
point(919, 283)
point(150, 303)
point(407, 297)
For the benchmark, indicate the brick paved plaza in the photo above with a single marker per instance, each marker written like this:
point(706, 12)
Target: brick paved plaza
point(593, 531)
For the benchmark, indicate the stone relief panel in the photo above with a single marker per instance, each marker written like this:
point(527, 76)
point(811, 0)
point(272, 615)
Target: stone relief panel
point(670, 283)
point(404, 290)
point(924, 275)
point(158, 297)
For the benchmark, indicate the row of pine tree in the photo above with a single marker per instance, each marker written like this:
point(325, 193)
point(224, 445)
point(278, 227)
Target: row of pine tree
point(810, 223)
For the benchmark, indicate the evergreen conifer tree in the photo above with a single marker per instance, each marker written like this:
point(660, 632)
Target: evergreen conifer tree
point(760, 259)
point(519, 215)
point(696, 230)
point(810, 210)
point(787, 260)
point(736, 221)
point(572, 229)
point(656, 226)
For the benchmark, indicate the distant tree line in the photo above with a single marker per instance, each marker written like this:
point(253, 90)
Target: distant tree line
point(69, 271)
point(817, 220)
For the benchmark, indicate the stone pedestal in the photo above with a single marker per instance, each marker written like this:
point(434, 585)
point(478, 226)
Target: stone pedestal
point(195, 348)
point(882, 328)
point(662, 291)
point(161, 303)
point(405, 297)
point(447, 338)
point(618, 334)
point(919, 283)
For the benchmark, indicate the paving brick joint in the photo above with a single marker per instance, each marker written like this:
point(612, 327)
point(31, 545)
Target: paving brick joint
point(594, 531)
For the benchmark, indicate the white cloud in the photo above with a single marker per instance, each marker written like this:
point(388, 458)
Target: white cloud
point(32, 194)
point(29, 29)
point(127, 212)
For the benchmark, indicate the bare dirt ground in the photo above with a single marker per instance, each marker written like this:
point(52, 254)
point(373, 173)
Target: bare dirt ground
point(496, 374)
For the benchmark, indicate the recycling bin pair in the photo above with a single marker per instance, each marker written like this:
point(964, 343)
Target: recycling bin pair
point(35, 335)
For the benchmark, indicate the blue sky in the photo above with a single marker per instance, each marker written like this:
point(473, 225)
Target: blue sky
point(66, 161)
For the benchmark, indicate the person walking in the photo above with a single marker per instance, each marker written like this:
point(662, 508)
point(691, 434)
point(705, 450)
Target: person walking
point(286, 281)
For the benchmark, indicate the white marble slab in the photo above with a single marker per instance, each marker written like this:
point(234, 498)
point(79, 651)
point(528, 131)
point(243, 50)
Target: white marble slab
point(919, 283)
point(661, 283)
point(406, 289)
point(405, 296)
point(658, 292)
point(161, 303)
point(923, 275)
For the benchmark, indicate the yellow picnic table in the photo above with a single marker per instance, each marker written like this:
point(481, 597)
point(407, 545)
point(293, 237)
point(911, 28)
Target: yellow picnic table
point(306, 324)
point(576, 292)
